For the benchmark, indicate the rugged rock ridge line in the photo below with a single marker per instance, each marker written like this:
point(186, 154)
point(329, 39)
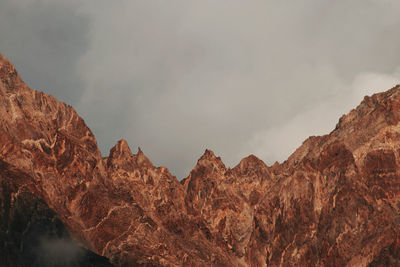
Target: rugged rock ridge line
point(334, 202)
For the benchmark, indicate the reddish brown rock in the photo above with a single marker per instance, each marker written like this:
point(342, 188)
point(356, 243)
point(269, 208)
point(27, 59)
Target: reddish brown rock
point(334, 202)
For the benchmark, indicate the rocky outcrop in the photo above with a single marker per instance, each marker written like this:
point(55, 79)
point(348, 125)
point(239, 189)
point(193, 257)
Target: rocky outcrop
point(334, 202)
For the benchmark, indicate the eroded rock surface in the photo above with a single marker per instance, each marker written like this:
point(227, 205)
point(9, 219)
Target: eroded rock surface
point(334, 202)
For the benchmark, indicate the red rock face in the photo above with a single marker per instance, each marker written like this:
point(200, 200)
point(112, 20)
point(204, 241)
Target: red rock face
point(334, 202)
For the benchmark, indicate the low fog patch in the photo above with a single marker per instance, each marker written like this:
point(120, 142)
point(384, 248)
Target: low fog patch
point(58, 252)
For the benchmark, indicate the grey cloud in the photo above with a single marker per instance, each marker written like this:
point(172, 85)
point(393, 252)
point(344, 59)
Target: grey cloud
point(277, 143)
point(44, 40)
point(175, 77)
point(214, 74)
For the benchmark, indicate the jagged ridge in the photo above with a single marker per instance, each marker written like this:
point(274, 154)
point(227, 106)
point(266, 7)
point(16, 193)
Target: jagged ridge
point(334, 202)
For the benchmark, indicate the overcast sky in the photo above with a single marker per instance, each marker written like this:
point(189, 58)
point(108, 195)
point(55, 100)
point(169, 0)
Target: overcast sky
point(176, 77)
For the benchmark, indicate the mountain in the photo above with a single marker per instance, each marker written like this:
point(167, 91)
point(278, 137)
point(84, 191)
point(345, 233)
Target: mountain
point(334, 202)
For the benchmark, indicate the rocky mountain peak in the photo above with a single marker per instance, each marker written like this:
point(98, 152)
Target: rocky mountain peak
point(120, 150)
point(141, 159)
point(6, 68)
point(210, 160)
point(379, 103)
point(121, 157)
point(250, 163)
point(9, 77)
point(208, 155)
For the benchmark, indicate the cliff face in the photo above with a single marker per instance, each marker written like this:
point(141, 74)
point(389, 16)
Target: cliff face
point(334, 202)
